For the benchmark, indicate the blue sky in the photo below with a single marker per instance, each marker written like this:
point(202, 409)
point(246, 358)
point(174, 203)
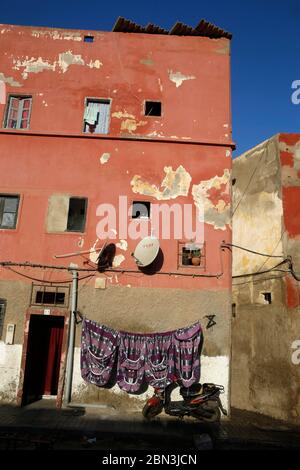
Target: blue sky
point(265, 48)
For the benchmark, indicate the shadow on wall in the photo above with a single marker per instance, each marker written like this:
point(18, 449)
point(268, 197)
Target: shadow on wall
point(106, 258)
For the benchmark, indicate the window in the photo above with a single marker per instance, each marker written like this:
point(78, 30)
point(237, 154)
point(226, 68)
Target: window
point(191, 255)
point(267, 297)
point(141, 210)
point(50, 295)
point(18, 113)
point(76, 214)
point(96, 116)
point(2, 315)
point(8, 211)
point(54, 298)
point(88, 38)
point(152, 108)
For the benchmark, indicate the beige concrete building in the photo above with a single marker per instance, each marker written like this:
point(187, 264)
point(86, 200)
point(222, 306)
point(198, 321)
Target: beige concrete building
point(266, 274)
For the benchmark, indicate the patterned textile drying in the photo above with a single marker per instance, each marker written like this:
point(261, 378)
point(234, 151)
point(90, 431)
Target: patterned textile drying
point(155, 358)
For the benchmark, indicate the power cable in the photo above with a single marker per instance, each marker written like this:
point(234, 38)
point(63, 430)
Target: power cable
point(44, 281)
point(252, 251)
point(249, 182)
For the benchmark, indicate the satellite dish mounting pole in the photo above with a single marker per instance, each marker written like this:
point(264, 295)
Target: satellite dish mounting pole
point(71, 339)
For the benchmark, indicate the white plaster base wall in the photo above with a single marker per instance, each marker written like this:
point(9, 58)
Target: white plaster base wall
point(10, 363)
point(213, 369)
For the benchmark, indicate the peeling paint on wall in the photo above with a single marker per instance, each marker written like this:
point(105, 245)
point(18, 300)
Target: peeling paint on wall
point(32, 66)
point(155, 134)
point(93, 253)
point(123, 245)
point(131, 125)
point(213, 198)
point(176, 183)
point(65, 59)
point(160, 85)
point(10, 360)
point(104, 158)
point(95, 65)
point(118, 259)
point(9, 80)
point(68, 36)
point(290, 174)
point(122, 114)
point(80, 242)
point(178, 78)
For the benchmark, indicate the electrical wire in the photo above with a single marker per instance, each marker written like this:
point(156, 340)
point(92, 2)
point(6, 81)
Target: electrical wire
point(287, 260)
point(44, 281)
point(265, 261)
point(252, 251)
point(249, 182)
point(257, 281)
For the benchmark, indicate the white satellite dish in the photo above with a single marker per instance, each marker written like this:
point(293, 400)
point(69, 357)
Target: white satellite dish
point(146, 251)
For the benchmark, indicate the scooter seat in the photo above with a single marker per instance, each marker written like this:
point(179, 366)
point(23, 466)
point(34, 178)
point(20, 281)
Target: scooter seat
point(192, 391)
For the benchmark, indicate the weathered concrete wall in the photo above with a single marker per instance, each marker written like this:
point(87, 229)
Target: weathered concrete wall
point(10, 363)
point(158, 310)
point(213, 369)
point(17, 295)
point(289, 146)
point(181, 157)
point(265, 378)
point(131, 309)
point(257, 207)
point(184, 73)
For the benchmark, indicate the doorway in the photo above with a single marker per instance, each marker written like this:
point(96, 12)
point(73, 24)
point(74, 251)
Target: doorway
point(43, 357)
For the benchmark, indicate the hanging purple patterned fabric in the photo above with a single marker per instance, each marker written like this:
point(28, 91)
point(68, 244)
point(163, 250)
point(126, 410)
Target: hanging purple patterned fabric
point(186, 342)
point(159, 368)
point(98, 352)
point(131, 361)
point(156, 358)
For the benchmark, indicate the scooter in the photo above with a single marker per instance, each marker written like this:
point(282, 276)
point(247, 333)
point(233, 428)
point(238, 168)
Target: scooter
point(199, 401)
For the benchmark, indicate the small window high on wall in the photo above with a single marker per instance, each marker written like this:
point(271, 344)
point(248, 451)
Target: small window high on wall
point(18, 112)
point(96, 116)
point(153, 108)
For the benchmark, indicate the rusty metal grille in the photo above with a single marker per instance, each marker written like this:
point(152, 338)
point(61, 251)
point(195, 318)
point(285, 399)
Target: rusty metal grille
point(189, 253)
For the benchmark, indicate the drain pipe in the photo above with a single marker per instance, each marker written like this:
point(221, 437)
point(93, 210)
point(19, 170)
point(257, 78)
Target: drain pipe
point(71, 341)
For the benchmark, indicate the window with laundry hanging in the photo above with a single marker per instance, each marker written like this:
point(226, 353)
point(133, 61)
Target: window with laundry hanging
point(18, 112)
point(96, 116)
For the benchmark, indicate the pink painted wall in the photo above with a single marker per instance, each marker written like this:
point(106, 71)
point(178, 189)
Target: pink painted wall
point(55, 156)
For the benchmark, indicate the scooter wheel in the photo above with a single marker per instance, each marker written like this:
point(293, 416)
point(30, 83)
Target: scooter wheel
point(150, 411)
